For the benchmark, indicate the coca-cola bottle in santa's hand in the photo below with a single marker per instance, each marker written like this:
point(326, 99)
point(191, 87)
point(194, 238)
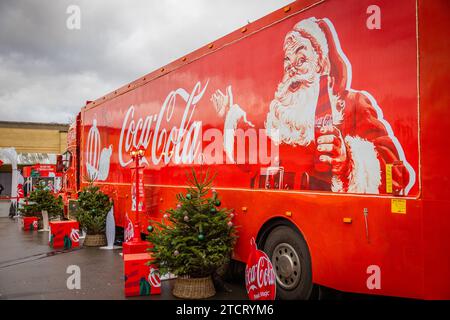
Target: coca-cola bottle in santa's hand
point(323, 119)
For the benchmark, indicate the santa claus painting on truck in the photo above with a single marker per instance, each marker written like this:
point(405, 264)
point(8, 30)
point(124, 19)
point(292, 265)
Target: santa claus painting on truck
point(338, 131)
point(325, 133)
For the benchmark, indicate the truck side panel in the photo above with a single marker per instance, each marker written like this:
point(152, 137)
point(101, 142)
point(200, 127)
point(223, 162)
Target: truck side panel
point(435, 101)
point(376, 81)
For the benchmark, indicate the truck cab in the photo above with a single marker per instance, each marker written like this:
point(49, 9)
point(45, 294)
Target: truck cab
point(68, 163)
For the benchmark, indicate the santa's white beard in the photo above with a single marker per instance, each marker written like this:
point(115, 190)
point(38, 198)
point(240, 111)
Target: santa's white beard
point(291, 117)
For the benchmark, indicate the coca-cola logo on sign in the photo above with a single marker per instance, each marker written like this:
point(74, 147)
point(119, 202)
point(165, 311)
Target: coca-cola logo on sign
point(260, 278)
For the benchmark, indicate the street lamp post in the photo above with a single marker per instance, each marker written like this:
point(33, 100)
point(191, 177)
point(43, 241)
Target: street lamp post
point(136, 155)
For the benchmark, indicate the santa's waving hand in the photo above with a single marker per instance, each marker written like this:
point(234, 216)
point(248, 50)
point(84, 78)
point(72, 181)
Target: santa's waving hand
point(224, 106)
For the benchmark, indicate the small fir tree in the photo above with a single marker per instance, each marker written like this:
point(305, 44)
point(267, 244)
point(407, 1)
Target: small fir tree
point(195, 238)
point(41, 199)
point(92, 210)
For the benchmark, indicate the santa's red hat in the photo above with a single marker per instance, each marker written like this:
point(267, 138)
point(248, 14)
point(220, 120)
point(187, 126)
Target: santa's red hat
point(325, 42)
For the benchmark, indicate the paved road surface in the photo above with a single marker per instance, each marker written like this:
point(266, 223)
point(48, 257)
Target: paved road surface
point(30, 269)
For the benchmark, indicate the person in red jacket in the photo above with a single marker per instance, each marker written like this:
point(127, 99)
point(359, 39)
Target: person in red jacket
point(334, 136)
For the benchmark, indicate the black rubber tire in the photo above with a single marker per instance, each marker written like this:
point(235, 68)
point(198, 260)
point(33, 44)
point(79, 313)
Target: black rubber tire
point(286, 234)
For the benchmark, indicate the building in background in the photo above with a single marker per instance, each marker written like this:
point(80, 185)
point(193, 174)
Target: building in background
point(28, 144)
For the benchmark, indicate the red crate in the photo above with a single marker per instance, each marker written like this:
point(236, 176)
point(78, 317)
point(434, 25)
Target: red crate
point(131, 247)
point(64, 234)
point(30, 223)
point(140, 279)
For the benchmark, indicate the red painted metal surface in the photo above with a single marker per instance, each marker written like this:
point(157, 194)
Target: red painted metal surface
point(140, 279)
point(391, 82)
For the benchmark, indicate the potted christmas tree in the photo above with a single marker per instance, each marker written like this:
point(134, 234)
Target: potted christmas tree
point(93, 207)
point(42, 200)
point(194, 239)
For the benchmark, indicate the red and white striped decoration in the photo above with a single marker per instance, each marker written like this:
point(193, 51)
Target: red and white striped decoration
point(153, 278)
point(75, 235)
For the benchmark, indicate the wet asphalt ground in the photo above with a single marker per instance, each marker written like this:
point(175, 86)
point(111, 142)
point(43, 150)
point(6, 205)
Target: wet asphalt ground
point(30, 269)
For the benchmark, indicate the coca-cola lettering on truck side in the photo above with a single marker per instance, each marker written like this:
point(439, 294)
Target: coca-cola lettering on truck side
point(351, 114)
point(151, 135)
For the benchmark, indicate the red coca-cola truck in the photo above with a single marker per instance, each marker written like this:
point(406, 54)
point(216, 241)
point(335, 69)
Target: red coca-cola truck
point(322, 121)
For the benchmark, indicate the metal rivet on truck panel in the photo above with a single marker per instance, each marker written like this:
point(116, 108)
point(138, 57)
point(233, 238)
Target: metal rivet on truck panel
point(211, 46)
point(287, 9)
point(244, 30)
point(162, 69)
point(244, 209)
point(288, 213)
point(161, 199)
point(184, 59)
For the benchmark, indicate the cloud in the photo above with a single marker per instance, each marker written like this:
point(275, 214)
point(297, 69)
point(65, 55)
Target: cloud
point(47, 71)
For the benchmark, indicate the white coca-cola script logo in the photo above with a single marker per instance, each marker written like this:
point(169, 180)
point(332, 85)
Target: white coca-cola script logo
point(260, 275)
point(325, 121)
point(180, 145)
point(260, 278)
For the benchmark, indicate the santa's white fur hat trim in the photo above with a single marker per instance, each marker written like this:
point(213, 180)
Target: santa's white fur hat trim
point(311, 27)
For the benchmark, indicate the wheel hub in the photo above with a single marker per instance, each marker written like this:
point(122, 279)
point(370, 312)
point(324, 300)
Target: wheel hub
point(287, 266)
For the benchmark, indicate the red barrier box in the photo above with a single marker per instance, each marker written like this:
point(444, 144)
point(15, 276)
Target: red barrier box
point(64, 234)
point(29, 223)
point(132, 247)
point(140, 279)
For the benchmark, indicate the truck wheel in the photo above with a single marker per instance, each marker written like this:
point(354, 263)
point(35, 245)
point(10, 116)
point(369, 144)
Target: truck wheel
point(291, 261)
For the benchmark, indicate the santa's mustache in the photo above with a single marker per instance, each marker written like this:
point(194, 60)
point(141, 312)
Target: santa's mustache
point(297, 82)
point(291, 117)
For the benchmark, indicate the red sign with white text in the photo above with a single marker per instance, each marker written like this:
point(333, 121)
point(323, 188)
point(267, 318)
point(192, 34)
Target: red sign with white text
point(260, 279)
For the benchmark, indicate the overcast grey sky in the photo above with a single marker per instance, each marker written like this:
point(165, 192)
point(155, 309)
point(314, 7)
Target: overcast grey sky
point(48, 71)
